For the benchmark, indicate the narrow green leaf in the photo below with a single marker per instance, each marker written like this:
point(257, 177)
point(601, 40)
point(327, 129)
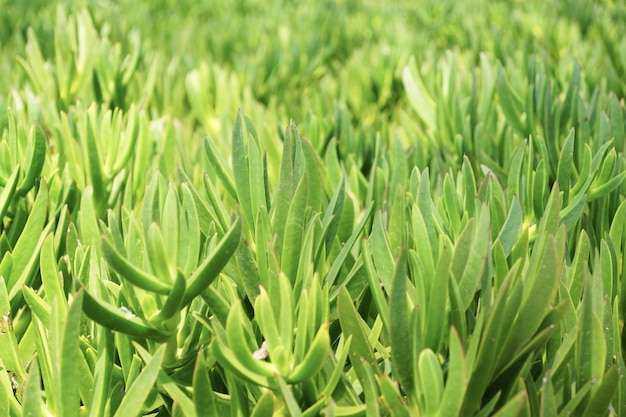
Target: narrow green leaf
point(116, 319)
point(170, 228)
point(602, 396)
point(189, 242)
point(381, 252)
point(456, 383)
point(419, 98)
point(9, 349)
point(158, 256)
point(6, 196)
point(25, 249)
point(93, 162)
point(68, 371)
point(220, 167)
point(431, 381)
point(514, 179)
point(241, 170)
point(264, 406)
point(401, 346)
point(203, 397)
point(172, 304)
point(210, 268)
point(32, 404)
point(353, 326)
point(131, 273)
point(510, 103)
point(391, 398)
point(34, 161)
point(49, 271)
point(136, 395)
point(476, 259)
point(288, 397)
point(345, 250)
point(375, 286)
point(518, 406)
point(38, 306)
point(436, 307)
point(313, 174)
point(315, 357)
point(103, 371)
point(292, 239)
point(566, 163)
point(512, 226)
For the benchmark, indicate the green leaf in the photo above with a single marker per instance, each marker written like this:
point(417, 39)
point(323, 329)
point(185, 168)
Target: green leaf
point(456, 383)
point(170, 228)
point(172, 304)
point(431, 381)
point(136, 395)
point(518, 406)
point(131, 273)
point(6, 196)
point(288, 397)
point(591, 345)
point(313, 174)
point(49, 271)
point(602, 395)
point(392, 400)
point(241, 170)
point(548, 400)
point(220, 167)
point(512, 226)
point(36, 304)
point(381, 252)
point(68, 354)
point(345, 250)
point(510, 103)
point(35, 159)
point(352, 326)
point(158, 256)
point(470, 256)
point(268, 324)
point(92, 159)
point(292, 239)
point(437, 309)
point(88, 221)
point(117, 320)
point(9, 349)
point(240, 343)
point(571, 213)
point(165, 383)
point(102, 372)
point(514, 179)
point(264, 406)
point(210, 268)
point(314, 359)
point(189, 240)
point(203, 397)
point(375, 286)
point(26, 249)
point(566, 163)
point(32, 404)
point(419, 98)
point(542, 286)
point(399, 329)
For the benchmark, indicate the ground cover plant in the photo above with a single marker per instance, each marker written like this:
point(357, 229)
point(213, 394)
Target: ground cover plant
point(312, 208)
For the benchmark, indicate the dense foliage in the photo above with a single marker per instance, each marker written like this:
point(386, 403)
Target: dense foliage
point(335, 208)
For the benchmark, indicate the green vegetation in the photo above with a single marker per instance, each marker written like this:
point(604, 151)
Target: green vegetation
point(312, 208)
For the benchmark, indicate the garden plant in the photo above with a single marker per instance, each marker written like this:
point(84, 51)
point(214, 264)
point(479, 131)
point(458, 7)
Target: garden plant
point(312, 208)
